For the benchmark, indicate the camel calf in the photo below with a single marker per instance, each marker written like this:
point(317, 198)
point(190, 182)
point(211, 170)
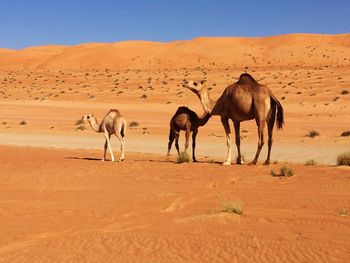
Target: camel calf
point(185, 120)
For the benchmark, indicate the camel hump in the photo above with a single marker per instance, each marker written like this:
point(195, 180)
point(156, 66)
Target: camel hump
point(115, 111)
point(246, 78)
point(186, 110)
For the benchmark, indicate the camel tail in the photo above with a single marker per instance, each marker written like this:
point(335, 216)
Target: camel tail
point(122, 128)
point(280, 115)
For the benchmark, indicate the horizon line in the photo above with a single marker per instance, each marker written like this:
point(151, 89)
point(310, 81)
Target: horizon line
point(171, 41)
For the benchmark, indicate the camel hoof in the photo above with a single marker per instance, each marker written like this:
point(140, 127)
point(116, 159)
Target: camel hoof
point(267, 163)
point(121, 160)
point(195, 161)
point(226, 163)
point(252, 163)
point(102, 160)
point(240, 162)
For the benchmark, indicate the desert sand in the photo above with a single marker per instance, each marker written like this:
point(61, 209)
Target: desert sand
point(61, 203)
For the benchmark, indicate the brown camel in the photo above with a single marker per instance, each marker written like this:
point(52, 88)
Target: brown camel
point(185, 120)
point(244, 100)
point(112, 123)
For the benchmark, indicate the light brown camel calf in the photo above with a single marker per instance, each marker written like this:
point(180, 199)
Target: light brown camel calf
point(112, 123)
point(244, 100)
point(185, 120)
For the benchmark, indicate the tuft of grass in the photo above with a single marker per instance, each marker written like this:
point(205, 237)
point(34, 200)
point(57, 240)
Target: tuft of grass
point(134, 124)
point(144, 96)
point(343, 159)
point(284, 172)
point(23, 123)
point(233, 207)
point(343, 212)
point(310, 162)
point(344, 92)
point(183, 158)
point(313, 134)
point(78, 122)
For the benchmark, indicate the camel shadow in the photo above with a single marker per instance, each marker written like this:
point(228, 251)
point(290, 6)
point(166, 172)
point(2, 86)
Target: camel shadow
point(175, 162)
point(83, 158)
point(153, 160)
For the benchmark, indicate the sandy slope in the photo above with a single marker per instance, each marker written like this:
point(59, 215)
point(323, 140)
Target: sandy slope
point(66, 205)
point(223, 51)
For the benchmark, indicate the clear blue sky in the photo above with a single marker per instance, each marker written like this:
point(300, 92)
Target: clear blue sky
point(41, 22)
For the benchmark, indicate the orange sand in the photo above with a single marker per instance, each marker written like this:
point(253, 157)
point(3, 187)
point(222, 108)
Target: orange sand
point(60, 204)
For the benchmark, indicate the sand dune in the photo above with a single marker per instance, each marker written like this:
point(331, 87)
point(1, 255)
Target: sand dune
point(223, 51)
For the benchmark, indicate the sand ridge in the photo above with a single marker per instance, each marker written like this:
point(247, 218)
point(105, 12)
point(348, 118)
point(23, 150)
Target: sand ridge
point(177, 54)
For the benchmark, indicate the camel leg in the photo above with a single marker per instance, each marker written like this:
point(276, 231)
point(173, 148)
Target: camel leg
point(177, 135)
point(122, 142)
point(270, 124)
point(188, 133)
point(107, 136)
point(261, 126)
point(105, 151)
point(226, 125)
point(238, 142)
point(171, 140)
point(194, 134)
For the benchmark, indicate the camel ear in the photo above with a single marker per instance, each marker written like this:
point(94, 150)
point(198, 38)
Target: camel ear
point(203, 81)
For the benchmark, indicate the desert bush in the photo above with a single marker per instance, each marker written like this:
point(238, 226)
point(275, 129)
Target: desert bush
point(343, 159)
point(23, 123)
point(284, 172)
point(183, 158)
point(233, 207)
point(313, 134)
point(134, 124)
point(343, 212)
point(344, 134)
point(310, 162)
point(144, 96)
point(80, 128)
point(344, 92)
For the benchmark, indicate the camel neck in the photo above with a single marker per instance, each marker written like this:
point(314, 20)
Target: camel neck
point(94, 124)
point(204, 119)
point(207, 103)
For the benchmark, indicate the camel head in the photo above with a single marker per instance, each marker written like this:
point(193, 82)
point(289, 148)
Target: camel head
point(88, 117)
point(195, 86)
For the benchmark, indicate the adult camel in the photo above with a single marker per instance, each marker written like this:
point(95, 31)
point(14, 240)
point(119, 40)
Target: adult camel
point(244, 100)
point(112, 123)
